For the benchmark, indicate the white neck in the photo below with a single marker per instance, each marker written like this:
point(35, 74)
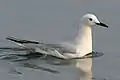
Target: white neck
point(84, 40)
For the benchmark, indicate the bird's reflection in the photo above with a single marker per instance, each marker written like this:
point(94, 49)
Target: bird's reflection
point(85, 67)
point(27, 60)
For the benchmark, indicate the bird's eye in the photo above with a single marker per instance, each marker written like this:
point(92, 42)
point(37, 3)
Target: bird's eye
point(90, 19)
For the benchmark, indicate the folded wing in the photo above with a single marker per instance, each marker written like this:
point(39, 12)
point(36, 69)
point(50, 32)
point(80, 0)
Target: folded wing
point(57, 50)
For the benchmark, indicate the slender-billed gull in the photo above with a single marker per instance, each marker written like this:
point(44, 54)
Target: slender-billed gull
point(81, 46)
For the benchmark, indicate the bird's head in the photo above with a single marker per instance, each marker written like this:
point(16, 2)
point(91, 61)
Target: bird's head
point(92, 20)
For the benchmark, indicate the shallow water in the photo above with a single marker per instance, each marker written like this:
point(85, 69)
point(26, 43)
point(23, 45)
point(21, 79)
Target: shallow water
point(54, 21)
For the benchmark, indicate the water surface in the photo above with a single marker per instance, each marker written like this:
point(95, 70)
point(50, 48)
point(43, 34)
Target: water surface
point(54, 21)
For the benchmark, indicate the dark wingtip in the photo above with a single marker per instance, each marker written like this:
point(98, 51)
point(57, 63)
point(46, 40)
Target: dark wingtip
point(21, 41)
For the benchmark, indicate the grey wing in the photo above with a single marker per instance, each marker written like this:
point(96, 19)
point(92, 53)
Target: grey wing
point(57, 50)
point(29, 44)
point(59, 47)
point(62, 48)
point(49, 49)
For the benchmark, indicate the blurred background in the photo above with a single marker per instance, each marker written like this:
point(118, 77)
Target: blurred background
point(54, 21)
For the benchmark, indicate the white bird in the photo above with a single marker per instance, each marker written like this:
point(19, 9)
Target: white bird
point(82, 44)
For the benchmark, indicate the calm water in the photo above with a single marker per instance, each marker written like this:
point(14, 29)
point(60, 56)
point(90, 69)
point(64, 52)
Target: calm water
point(54, 21)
